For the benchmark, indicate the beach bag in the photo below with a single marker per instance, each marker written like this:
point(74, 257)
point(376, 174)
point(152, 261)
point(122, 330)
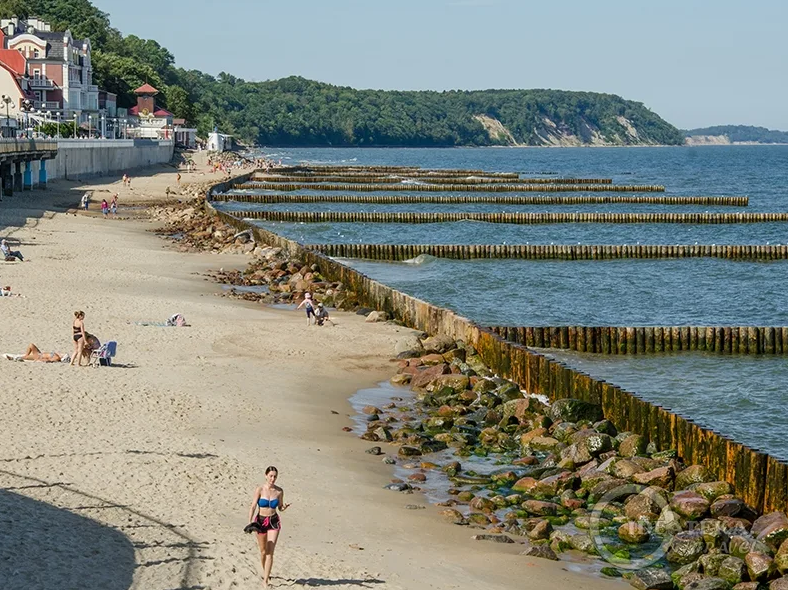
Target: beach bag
point(177, 320)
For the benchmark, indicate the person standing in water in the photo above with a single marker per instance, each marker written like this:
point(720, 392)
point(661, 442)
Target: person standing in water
point(264, 520)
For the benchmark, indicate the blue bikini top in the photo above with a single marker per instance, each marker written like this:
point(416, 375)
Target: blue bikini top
point(266, 503)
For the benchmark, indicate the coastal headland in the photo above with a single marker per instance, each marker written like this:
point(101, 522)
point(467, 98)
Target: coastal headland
point(142, 474)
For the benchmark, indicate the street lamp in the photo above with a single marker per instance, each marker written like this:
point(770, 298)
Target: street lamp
point(9, 102)
point(75, 124)
point(90, 123)
point(26, 105)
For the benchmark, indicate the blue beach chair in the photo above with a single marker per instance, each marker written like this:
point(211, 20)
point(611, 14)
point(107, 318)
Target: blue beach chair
point(103, 356)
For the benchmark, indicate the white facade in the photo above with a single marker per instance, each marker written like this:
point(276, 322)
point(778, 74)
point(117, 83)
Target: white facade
point(218, 142)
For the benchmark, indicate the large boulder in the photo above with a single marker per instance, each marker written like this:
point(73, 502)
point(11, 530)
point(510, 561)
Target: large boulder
point(686, 547)
point(632, 446)
point(771, 528)
point(732, 570)
point(690, 505)
point(651, 579)
point(633, 532)
point(574, 410)
point(692, 475)
point(424, 375)
point(408, 343)
point(781, 559)
point(759, 566)
point(541, 551)
point(661, 477)
point(595, 443)
point(438, 344)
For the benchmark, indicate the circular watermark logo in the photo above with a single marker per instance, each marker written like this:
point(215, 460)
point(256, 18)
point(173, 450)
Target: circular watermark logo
point(653, 536)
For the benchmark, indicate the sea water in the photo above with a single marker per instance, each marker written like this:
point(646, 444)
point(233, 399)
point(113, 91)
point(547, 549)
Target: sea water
point(730, 394)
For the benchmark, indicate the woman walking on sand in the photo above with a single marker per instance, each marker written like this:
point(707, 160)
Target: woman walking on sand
point(264, 520)
point(79, 336)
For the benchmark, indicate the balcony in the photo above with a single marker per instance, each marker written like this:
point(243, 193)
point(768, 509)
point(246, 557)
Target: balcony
point(40, 83)
point(92, 88)
point(47, 105)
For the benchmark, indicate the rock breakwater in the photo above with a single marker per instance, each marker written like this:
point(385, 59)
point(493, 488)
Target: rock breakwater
point(558, 478)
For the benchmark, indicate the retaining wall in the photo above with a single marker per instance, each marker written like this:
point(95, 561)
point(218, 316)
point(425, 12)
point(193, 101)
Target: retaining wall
point(399, 252)
point(634, 340)
point(757, 478)
point(82, 158)
point(495, 199)
point(514, 218)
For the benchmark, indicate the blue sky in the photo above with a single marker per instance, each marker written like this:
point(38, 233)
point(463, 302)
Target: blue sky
point(694, 62)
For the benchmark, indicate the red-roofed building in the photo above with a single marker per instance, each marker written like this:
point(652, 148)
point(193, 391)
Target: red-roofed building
point(58, 69)
point(149, 121)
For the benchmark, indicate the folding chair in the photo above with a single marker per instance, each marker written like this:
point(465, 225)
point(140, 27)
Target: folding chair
point(103, 356)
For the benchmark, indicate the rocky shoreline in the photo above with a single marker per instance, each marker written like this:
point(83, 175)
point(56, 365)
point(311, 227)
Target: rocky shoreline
point(559, 477)
point(567, 480)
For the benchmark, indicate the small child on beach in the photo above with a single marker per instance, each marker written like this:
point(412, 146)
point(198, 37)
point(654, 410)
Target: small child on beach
point(104, 207)
point(322, 316)
point(309, 305)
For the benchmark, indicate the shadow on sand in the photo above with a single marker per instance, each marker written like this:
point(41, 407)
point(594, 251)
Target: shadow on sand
point(49, 548)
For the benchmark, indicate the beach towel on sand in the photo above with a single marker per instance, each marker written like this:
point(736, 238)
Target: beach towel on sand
point(176, 320)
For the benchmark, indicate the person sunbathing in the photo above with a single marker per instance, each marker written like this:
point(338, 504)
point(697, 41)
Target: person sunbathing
point(33, 353)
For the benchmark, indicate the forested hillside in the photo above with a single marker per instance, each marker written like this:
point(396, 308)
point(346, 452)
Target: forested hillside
point(741, 133)
point(299, 112)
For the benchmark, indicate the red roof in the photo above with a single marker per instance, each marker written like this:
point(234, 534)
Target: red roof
point(14, 60)
point(146, 89)
point(159, 112)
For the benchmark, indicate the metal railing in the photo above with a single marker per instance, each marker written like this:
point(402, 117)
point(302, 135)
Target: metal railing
point(8, 146)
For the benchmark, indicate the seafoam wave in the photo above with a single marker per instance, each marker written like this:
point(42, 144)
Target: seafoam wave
point(420, 259)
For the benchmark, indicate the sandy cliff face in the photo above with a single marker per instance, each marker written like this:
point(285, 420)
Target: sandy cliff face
point(708, 140)
point(552, 133)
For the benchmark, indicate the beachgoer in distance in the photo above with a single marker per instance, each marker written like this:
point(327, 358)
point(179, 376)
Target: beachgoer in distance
point(125, 179)
point(322, 316)
point(6, 292)
point(309, 305)
point(85, 201)
point(33, 353)
point(104, 207)
point(264, 520)
point(114, 204)
point(79, 335)
point(8, 253)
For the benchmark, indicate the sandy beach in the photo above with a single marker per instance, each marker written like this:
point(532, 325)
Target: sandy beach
point(141, 475)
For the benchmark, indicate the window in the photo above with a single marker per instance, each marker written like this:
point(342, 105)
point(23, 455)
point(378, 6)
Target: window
point(36, 53)
point(36, 74)
point(38, 95)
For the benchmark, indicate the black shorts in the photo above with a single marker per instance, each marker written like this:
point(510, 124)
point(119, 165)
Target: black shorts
point(268, 523)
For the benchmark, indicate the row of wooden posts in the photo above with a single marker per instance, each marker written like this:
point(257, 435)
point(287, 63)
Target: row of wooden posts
point(513, 218)
point(759, 479)
point(400, 252)
point(492, 199)
point(652, 339)
point(388, 179)
point(414, 171)
point(459, 187)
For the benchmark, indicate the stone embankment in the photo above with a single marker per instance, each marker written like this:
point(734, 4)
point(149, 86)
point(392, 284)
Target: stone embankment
point(569, 480)
point(286, 278)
